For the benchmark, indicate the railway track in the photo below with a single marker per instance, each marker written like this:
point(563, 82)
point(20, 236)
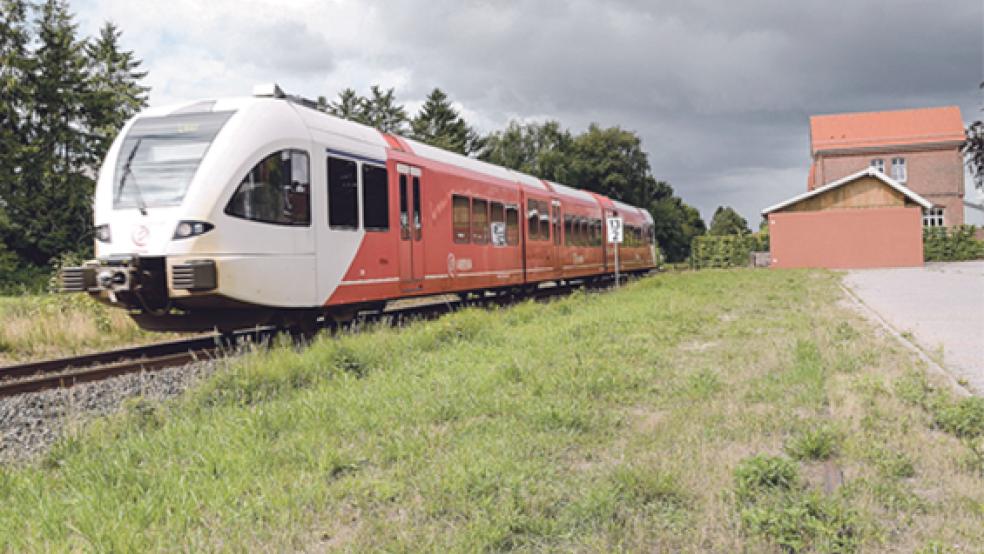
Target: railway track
point(69, 371)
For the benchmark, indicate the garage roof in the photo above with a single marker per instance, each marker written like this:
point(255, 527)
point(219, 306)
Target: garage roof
point(869, 172)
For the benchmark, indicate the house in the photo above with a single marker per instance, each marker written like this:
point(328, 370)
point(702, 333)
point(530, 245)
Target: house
point(919, 149)
point(866, 219)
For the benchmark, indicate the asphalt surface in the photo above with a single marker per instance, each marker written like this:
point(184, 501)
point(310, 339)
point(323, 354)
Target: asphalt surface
point(940, 306)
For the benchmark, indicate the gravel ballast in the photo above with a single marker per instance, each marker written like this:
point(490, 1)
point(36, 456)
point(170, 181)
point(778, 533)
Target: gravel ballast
point(31, 423)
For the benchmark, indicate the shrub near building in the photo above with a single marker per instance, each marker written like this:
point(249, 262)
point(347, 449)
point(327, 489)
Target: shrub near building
point(951, 244)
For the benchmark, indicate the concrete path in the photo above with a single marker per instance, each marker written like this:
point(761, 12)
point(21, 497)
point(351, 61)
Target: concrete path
point(941, 306)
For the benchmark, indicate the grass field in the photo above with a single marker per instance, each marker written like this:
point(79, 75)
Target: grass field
point(685, 412)
point(38, 326)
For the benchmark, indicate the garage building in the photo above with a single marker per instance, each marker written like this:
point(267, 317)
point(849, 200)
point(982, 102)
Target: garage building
point(863, 220)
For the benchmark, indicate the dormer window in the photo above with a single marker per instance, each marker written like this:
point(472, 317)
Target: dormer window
point(898, 169)
point(878, 164)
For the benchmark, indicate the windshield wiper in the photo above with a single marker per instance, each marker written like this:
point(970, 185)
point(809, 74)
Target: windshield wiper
point(141, 205)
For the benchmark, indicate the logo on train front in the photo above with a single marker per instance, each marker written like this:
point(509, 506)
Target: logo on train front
point(139, 235)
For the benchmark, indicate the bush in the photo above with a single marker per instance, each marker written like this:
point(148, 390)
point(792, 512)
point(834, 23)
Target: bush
point(711, 251)
point(951, 244)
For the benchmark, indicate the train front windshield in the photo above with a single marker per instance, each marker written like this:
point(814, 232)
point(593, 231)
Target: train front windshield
point(160, 156)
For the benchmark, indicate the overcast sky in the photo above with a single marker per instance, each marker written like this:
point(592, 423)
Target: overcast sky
point(719, 91)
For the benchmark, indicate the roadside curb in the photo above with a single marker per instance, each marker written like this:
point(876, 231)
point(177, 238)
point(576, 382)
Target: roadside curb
point(908, 344)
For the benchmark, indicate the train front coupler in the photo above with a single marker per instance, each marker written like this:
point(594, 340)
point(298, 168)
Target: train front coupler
point(129, 282)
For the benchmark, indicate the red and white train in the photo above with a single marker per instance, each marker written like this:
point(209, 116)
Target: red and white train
point(260, 210)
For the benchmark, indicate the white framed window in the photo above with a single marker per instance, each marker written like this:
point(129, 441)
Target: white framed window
point(933, 217)
point(898, 169)
point(878, 164)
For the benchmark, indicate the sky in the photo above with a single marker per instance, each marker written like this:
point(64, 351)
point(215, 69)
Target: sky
point(720, 92)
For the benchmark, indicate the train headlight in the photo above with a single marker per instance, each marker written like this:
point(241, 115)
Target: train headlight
point(186, 229)
point(103, 234)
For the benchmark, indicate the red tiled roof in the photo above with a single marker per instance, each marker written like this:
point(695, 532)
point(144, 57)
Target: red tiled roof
point(894, 128)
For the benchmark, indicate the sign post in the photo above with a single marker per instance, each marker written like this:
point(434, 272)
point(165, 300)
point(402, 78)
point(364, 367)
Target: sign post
point(615, 229)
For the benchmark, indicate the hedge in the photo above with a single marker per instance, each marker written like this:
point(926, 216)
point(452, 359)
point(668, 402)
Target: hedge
point(710, 251)
point(951, 244)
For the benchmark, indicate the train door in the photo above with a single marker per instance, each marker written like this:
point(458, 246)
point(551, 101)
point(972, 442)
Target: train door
point(557, 218)
point(411, 247)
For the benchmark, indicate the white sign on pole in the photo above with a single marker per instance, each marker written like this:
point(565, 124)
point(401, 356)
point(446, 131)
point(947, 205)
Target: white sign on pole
point(615, 228)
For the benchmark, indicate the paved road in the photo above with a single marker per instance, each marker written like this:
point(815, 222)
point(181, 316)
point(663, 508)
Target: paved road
point(941, 305)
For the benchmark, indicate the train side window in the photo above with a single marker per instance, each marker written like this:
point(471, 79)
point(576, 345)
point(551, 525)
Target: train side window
point(597, 232)
point(343, 199)
point(461, 212)
point(480, 221)
point(418, 220)
point(404, 209)
point(567, 229)
point(497, 228)
point(556, 223)
point(277, 190)
point(544, 209)
point(585, 240)
point(375, 198)
point(533, 220)
point(512, 225)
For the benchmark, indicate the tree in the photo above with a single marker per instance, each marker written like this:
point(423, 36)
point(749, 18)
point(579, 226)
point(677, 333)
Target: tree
point(727, 221)
point(675, 225)
point(973, 151)
point(382, 112)
point(349, 106)
point(115, 93)
point(611, 162)
point(540, 149)
point(15, 65)
point(439, 124)
point(51, 206)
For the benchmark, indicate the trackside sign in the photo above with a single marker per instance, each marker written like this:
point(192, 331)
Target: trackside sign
point(615, 228)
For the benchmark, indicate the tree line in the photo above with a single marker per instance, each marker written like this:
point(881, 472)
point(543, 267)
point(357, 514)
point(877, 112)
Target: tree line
point(608, 161)
point(63, 98)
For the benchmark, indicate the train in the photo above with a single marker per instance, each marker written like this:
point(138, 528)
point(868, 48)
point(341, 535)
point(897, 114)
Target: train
point(262, 210)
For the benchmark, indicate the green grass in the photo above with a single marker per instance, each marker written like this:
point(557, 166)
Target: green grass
point(623, 421)
point(36, 326)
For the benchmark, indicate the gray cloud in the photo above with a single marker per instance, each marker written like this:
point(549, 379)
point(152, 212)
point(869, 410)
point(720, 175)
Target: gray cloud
point(720, 92)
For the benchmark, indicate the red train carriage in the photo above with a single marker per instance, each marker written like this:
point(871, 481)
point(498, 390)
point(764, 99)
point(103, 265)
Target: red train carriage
point(251, 211)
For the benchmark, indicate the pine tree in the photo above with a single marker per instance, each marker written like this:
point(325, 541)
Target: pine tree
point(115, 93)
point(52, 208)
point(383, 113)
point(15, 66)
point(440, 125)
point(349, 106)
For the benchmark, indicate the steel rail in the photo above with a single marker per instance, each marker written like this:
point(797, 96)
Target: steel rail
point(107, 357)
point(69, 371)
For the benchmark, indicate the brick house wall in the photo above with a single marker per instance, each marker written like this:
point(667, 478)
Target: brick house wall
point(928, 139)
point(936, 174)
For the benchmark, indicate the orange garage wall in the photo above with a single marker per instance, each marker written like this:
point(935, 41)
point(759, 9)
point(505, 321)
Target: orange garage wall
point(849, 238)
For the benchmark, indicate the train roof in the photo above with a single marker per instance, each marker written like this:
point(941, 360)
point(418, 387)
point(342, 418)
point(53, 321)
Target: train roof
point(322, 122)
